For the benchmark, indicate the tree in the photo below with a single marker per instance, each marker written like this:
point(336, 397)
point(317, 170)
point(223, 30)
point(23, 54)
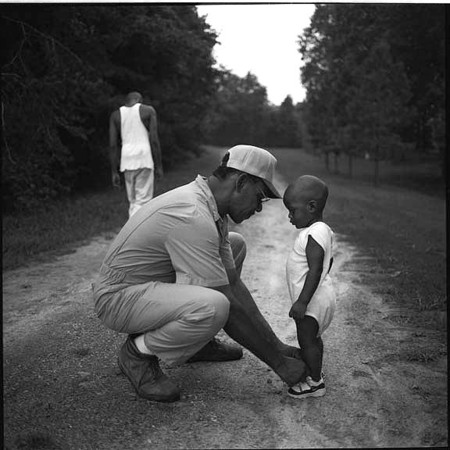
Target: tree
point(67, 67)
point(379, 106)
point(417, 38)
point(239, 112)
point(339, 49)
point(47, 108)
point(288, 132)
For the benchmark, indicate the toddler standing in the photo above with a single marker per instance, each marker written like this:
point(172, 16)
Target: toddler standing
point(310, 287)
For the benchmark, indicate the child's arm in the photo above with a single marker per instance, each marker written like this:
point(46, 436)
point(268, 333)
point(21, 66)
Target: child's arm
point(315, 256)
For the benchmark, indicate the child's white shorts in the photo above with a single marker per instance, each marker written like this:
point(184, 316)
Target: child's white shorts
point(322, 305)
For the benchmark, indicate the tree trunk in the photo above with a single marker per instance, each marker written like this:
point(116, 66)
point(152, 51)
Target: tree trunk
point(350, 165)
point(336, 162)
point(327, 161)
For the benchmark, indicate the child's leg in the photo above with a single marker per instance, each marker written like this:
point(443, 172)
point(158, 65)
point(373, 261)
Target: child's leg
point(311, 345)
point(320, 343)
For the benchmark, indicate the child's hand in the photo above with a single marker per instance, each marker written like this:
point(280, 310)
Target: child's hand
point(298, 310)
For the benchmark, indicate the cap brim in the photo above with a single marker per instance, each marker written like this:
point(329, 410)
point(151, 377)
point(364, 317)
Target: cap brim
point(271, 191)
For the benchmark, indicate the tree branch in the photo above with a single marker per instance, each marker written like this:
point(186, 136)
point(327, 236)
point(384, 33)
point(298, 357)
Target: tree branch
point(50, 38)
point(4, 135)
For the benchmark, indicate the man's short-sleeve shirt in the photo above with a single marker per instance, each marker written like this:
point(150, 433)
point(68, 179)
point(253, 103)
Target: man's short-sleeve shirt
point(177, 237)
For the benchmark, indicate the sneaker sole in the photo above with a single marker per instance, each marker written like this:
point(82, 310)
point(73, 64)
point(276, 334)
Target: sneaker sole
point(318, 393)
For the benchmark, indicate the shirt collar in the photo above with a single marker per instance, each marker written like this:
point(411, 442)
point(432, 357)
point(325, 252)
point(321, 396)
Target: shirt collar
point(202, 183)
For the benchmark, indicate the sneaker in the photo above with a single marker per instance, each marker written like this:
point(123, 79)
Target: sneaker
point(304, 390)
point(215, 350)
point(146, 375)
point(317, 386)
point(311, 382)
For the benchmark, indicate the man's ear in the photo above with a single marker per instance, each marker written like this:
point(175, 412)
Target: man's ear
point(241, 180)
point(311, 206)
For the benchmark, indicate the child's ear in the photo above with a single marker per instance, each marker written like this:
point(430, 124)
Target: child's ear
point(311, 207)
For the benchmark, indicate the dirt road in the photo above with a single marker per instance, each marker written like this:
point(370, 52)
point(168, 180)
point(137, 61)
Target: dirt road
point(63, 390)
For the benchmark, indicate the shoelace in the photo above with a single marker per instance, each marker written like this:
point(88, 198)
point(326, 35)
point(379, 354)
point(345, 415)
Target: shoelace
point(155, 368)
point(215, 343)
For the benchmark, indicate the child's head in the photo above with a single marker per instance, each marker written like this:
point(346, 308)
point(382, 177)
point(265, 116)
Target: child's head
point(305, 198)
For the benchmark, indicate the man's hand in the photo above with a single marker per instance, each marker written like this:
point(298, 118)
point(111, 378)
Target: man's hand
point(115, 179)
point(292, 352)
point(297, 311)
point(292, 371)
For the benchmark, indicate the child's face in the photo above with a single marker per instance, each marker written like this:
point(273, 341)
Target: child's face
point(299, 215)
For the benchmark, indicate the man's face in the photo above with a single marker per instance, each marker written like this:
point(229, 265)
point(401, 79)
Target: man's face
point(247, 199)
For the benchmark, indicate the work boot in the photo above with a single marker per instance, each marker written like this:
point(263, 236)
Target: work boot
point(145, 375)
point(215, 350)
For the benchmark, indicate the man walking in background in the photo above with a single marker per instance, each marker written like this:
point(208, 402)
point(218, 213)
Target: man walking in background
point(135, 126)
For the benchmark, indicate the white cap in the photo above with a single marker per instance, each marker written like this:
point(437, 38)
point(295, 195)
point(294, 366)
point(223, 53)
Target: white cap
point(255, 161)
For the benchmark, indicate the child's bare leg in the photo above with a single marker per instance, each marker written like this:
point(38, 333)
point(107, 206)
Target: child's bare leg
point(311, 345)
point(320, 342)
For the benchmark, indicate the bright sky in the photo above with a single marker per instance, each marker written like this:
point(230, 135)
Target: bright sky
point(263, 40)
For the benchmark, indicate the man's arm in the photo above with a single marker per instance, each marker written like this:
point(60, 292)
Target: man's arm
point(154, 142)
point(194, 241)
point(315, 256)
point(114, 152)
point(247, 326)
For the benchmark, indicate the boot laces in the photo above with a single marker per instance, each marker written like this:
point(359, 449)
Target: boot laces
point(155, 368)
point(215, 343)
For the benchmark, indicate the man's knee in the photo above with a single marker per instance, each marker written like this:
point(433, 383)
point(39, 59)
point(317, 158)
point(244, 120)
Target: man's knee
point(221, 307)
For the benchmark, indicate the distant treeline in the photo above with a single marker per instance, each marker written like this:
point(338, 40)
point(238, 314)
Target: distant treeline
point(374, 76)
point(240, 112)
point(375, 80)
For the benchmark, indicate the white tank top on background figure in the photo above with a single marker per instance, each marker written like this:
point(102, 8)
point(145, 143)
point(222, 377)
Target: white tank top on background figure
point(136, 152)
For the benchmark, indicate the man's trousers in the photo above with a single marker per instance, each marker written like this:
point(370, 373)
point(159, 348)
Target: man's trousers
point(177, 320)
point(140, 185)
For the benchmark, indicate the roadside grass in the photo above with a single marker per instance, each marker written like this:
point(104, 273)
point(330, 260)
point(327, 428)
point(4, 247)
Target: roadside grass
point(57, 227)
point(62, 225)
point(418, 173)
point(402, 230)
point(425, 355)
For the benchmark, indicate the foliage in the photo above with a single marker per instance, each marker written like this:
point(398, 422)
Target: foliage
point(241, 113)
point(64, 223)
point(377, 105)
point(284, 127)
point(374, 79)
point(417, 38)
point(46, 110)
point(239, 107)
point(67, 67)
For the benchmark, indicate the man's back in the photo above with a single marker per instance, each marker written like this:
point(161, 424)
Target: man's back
point(174, 237)
point(136, 151)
